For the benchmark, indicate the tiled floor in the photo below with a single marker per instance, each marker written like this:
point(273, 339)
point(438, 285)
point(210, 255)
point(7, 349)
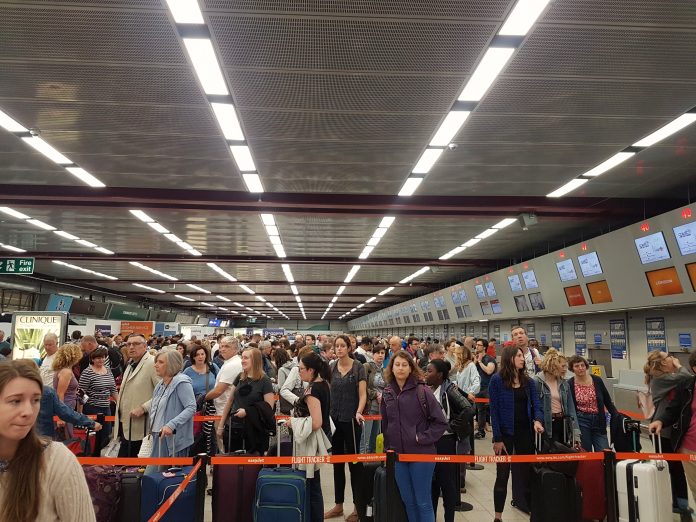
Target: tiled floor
point(479, 485)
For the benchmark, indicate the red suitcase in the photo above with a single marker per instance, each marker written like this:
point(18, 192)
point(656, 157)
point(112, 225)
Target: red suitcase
point(590, 478)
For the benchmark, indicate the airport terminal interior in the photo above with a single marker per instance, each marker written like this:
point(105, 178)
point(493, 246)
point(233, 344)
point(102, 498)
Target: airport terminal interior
point(427, 168)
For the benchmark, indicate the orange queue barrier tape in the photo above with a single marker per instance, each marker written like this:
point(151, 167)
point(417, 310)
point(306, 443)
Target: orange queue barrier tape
point(323, 459)
point(502, 459)
point(680, 457)
point(172, 498)
point(209, 418)
point(135, 461)
point(633, 414)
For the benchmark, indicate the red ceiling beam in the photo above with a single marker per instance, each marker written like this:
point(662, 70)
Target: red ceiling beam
point(337, 204)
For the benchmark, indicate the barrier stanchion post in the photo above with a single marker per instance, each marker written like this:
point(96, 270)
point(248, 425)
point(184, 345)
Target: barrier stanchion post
point(473, 466)
point(201, 485)
point(99, 437)
point(610, 485)
point(391, 483)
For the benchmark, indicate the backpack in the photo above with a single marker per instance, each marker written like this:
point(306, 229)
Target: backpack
point(462, 424)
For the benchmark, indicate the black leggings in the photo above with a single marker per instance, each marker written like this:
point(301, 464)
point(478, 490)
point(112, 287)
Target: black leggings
point(344, 442)
point(520, 444)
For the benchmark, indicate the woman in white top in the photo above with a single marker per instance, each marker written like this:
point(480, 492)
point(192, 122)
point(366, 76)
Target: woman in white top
point(467, 376)
point(40, 480)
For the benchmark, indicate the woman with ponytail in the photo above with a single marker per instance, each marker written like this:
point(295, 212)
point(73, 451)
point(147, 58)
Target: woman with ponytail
point(40, 480)
point(312, 432)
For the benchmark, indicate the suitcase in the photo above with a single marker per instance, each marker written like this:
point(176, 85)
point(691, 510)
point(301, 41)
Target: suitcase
point(644, 489)
point(590, 479)
point(233, 490)
point(104, 484)
point(519, 490)
point(555, 496)
point(387, 505)
point(281, 494)
point(131, 491)
point(156, 488)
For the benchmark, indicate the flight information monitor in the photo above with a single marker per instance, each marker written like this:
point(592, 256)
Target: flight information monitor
point(664, 282)
point(521, 303)
point(486, 308)
point(566, 270)
point(515, 283)
point(589, 264)
point(530, 280)
point(490, 289)
point(537, 301)
point(599, 292)
point(686, 238)
point(574, 295)
point(480, 292)
point(496, 307)
point(652, 248)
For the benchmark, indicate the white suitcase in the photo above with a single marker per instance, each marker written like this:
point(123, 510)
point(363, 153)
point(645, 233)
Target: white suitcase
point(644, 490)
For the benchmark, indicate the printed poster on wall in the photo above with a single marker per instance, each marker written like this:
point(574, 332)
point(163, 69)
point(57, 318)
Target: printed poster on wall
point(471, 330)
point(29, 329)
point(556, 336)
point(531, 330)
point(496, 332)
point(484, 330)
point(655, 334)
point(617, 338)
point(580, 334)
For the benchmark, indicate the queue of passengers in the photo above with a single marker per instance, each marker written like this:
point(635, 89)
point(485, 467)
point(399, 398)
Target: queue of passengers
point(424, 392)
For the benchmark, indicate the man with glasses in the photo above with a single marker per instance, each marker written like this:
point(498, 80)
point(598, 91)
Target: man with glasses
point(139, 381)
point(485, 364)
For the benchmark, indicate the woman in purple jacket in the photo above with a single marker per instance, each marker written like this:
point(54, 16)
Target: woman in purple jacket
point(412, 422)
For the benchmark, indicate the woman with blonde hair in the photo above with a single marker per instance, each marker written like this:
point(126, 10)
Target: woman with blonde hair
point(39, 480)
point(251, 399)
point(556, 399)
point(65, 383)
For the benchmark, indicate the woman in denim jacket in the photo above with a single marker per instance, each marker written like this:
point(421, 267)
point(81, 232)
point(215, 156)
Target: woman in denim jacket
point(556, 398)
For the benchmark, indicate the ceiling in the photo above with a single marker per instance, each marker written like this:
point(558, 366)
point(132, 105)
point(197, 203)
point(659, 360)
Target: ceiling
point(337, 101)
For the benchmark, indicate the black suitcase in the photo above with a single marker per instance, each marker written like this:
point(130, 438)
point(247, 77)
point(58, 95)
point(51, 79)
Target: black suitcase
point(129, 504)
point(520, 489)
point(555, 496)
point(387, 503)
point(368, 485)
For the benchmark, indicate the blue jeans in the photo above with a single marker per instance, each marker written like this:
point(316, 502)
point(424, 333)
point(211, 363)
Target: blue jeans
point(593, 431)
point(414, 480)
point(368, 442)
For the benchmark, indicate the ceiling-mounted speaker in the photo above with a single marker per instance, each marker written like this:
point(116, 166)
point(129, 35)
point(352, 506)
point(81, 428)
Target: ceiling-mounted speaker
point(527, 220)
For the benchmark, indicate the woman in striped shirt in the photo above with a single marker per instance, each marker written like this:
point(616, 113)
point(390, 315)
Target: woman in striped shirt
point(97, 383)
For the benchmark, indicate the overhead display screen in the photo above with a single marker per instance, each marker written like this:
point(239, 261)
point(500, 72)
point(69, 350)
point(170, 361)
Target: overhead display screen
point(439, 302)
point(691, 269)
point(537, 301)
point(496, 307)
point(490, 289)
point(530, 280)
point(664, 282)
point(486, 308)
point(652, 248)
point(589, 264)
point(521, 303)
point(566, 270)
point(599, 292)
point(515, 283)
point(479, 292)
point(574, 295)
point(686, 238)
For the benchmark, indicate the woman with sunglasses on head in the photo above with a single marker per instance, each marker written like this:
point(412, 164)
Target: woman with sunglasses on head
point(40, 480)
point(671, 387)
point(515, 416)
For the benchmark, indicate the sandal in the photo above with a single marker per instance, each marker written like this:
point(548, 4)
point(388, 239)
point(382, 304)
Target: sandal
point(333, 512)
point(353, 517)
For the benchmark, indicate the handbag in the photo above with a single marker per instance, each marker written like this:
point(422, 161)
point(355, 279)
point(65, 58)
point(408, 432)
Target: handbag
point(146, 446)
point(112, 448)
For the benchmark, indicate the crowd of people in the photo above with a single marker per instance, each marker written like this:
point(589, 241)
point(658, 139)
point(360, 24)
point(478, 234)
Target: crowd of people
point(424, 392)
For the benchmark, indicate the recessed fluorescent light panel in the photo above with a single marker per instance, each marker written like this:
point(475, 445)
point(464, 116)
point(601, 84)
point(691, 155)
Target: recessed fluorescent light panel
point(86, 243)
point(487, 233)
point(449, 128)
point(410, 186)
point(486, 72)
point(142, 216)
point(288, 273)
point(414, 275)
point(426, 161)
point(10, 125)
point(386, 290)
point(522, 17)
point(199, 289)
point(159, 228)
point(504, 223)
point(226, 116)
point(156, 290)
point(14, 213)
point(206, 65)
point(85, 176)
point(351, 273)
point(66, 235)
point(471, 242)
point(453, 253)
point(86, 270)
point(242, 156)
point(11, 248)
point(41, 224)
point(253, 182)
point(568, 187)
point(674, 126)
point(220, 271)
point(153, 271)
point(185, 11)
point(609, 164)
point(247, 289)
point(48, 151)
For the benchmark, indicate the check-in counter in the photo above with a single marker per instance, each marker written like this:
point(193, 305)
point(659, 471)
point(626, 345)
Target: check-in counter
point(631, 383)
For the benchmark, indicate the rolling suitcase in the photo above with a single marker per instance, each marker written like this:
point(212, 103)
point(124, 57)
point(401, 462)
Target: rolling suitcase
point(281, 494)
point(590, 479)
point(104, 484)
point(233, 490)
point(520, 490)
point(156, 488)
point(387, 505)
point(131, 491)
point(644, 489)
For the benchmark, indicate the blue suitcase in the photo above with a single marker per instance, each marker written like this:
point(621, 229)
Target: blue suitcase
point(157, 488)
point(281, 494)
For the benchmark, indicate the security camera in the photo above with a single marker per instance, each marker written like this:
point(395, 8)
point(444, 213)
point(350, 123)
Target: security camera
point(452, 146)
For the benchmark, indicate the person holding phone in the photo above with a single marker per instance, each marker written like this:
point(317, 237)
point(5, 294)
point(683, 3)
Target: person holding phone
point(516, 417)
